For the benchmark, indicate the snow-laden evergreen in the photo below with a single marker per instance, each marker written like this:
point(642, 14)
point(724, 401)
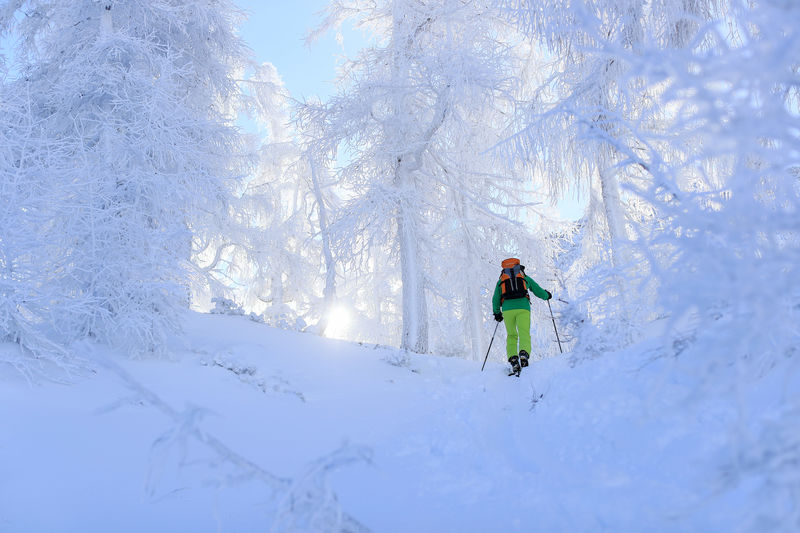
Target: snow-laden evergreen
point(120, 155)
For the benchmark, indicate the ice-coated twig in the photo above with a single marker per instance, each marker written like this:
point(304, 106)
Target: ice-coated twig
point(308, 500)
point(187, 426)
point(311, 506)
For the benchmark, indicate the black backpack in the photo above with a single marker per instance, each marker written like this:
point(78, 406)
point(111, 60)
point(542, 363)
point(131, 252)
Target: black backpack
point(512, 281)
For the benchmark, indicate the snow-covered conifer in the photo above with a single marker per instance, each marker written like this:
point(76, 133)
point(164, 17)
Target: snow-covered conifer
point(130, 103)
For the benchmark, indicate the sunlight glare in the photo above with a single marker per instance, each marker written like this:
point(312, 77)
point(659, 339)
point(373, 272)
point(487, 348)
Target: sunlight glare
point(339, 322)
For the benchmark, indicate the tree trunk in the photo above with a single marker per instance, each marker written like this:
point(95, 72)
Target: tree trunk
point(472, 304)
point(329, 292)
point(609, 190)
point(414, 335)
point(415, 307)
point(612, 207)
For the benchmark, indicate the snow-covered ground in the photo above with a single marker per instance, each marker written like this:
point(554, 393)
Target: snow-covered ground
point(247, 428)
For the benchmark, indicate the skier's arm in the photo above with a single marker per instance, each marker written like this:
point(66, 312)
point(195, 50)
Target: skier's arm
point(496, 299)
point(536, 289)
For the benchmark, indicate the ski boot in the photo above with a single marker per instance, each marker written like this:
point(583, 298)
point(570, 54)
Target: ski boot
point(515, 368)
point(523, 358)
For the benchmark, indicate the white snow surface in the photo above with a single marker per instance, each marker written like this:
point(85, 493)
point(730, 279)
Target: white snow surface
point(248, 428)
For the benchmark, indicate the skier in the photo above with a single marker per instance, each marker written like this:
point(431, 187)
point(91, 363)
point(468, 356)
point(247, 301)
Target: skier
point(512, 302)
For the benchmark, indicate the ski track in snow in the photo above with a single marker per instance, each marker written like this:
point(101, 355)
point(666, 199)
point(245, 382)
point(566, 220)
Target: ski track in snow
point(348, 440)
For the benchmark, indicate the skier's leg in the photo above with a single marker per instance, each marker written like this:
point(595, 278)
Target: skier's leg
point(523, 321)
point(510, 319)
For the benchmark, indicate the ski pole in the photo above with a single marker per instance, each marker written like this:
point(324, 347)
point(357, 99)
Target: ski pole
point(490, 347)
point(554, 326)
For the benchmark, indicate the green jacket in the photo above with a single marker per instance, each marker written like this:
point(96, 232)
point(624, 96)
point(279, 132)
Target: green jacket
point(517, 303)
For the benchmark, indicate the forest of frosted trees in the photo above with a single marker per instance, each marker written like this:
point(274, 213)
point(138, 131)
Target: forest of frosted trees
point(128, 193)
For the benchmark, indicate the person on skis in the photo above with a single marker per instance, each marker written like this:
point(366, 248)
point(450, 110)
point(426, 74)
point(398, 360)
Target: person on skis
point(512, 303)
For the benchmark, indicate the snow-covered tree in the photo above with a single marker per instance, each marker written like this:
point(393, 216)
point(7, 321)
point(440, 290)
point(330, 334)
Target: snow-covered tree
point(413, 124)
point(271, 260)
point(31, 243)
point(320, 181)
point(713, 164)
point(728, 199)
point(727, 241)
point(588, 119)
point(130, 104)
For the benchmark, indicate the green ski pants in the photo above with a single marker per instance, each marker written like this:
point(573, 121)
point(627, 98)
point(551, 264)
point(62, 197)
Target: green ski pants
point(518, 328)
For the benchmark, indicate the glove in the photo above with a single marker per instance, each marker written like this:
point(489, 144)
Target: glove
point(498, 317)
point(548, 294)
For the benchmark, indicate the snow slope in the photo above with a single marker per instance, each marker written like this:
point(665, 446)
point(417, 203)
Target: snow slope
point(247, 428)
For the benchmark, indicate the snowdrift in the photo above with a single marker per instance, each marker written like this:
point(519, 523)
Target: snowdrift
point(248, 428)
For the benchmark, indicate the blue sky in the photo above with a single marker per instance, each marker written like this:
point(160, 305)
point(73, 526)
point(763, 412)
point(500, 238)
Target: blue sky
point(276, 31)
